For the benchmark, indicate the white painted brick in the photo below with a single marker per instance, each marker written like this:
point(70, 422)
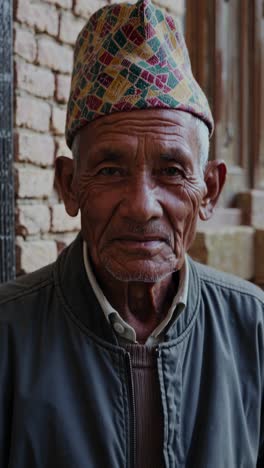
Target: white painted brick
point(32, 255)
point(32, 219)
point(61, 3)
point(38, 14)
point(58, 120)
point(34, 182)
point(61, 221)
point(70, 26)
point(63, 83)
point(35, 80)
point(55, 56)
point(32, 113)
point(34, 148)
point(25, 44)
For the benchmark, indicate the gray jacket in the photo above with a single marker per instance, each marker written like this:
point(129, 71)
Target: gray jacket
point(66, 397)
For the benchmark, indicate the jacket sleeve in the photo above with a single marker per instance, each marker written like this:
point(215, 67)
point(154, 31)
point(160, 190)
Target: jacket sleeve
point(5, 397)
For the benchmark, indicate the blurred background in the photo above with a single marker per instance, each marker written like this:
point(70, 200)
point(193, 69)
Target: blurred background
point(226, 44)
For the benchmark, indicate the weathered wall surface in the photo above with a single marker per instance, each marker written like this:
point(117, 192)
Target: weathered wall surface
point(44, 35)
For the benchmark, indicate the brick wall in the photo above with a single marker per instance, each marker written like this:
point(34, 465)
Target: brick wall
point(44, 35)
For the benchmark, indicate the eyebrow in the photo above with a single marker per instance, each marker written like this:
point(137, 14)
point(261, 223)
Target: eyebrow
point(104, 155)
point(168, 157)
point(174, 156)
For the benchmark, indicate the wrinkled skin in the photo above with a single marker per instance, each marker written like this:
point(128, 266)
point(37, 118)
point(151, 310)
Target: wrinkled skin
point(140, 190)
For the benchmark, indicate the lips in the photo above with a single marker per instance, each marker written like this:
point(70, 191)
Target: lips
point(142, 238)
point(143, 246)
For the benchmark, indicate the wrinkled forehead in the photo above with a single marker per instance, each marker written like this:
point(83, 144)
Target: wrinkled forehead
point(157, 123)
point(158, 130)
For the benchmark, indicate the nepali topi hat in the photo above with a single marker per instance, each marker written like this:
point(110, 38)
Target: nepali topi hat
point(131, 57)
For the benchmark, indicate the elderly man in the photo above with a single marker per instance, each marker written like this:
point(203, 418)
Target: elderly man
point(125, 352)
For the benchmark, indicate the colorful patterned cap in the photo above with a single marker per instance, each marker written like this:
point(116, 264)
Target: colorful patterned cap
point(131, 57)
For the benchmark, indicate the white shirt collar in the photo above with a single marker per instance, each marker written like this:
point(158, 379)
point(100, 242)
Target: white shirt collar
point(121, 326)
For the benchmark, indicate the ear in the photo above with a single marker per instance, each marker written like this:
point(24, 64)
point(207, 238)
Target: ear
point(64, 177)
point(214, 178)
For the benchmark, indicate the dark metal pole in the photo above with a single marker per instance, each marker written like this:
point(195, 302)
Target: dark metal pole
point(7, 224)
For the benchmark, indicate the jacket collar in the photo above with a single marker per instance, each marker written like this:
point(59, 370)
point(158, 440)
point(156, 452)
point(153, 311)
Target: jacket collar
point(79, 299)
point(186, 319)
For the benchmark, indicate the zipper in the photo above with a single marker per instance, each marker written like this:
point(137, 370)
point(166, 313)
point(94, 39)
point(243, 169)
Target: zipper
point(157, 352)
point(132, 412)
point(158, 355)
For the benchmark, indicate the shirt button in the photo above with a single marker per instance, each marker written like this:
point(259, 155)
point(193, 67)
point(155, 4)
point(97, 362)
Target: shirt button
point(119, 328)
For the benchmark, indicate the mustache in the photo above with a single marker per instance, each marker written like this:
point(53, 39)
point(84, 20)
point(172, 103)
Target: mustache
point(149, 229)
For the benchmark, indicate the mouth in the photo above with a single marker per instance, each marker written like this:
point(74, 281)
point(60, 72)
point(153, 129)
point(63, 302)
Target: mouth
point(142, 238)
point(141, 244)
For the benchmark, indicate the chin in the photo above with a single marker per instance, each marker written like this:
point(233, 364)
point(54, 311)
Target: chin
point(144, 271)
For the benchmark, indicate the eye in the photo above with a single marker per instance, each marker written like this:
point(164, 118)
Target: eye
point(171, 171)
point(110, 171)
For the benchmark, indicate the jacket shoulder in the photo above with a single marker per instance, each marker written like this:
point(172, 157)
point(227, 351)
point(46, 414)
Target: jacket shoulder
point(209, 275)
point(25, 285)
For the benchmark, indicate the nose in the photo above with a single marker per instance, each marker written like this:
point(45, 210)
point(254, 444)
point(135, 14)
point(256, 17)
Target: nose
point(140, 203)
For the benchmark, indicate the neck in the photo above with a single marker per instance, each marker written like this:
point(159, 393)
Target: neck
point(142, 305)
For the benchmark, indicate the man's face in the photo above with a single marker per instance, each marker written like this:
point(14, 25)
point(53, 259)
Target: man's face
point(139, 187)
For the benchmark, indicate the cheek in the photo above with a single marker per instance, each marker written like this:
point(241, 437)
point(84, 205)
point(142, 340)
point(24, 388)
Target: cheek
point(184, 210)
point(182, 205)
point(179, 212)
point(97, 206)
point(194, 190)
point(194, 194)
point(94, 215)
